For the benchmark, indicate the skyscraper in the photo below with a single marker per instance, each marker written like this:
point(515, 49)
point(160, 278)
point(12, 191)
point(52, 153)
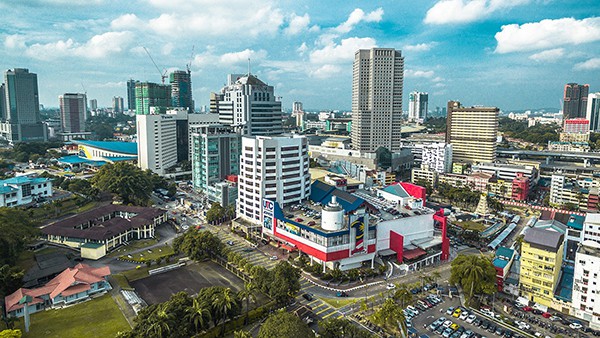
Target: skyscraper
point(298, 111)
point(181, 90)
point(593, 111)
point(21, 121)
point(250, 105)
point(117, 104)
point(148, 94)
point(472, 132)
point(93, 104)
point(72, 112)
point(575, 100)
point(131, 94)
point(377, 83)
point(2, 102)
point(418, 103)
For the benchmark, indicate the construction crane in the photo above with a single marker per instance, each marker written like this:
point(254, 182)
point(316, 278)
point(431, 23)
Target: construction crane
point(189, 64)
point(163, 73)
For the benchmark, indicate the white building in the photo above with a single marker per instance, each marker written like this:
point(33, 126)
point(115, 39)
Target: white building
point(162, 137)
point(437, 157)
point(509, 172)
point(23, 190)
point(377, 82)
point(585, 286)
point(274, 168)
point(418, 103)
point(251, 106)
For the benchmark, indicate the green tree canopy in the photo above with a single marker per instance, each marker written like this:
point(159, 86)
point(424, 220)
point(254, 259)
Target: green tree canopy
point(198, 245)
point(16, 229)
point(340, 327)
point(215, 213)
point(126, 180)
point(283, 324)
point(285, 282)
point(475, 274)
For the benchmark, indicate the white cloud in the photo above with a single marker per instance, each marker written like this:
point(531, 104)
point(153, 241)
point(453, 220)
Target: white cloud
point(325, 71)
point(421, 47)
point(167, 48)
point(97, 47)
point(127, 21)
point(357, 16)
point(242, 57)
point(591, 64)
point(463, 11)
point(119, 84)
point(549, 55)
point(428, 74)
point(334, 53)
point(297, 24)
point(14, 41)
point(547, 34)
point(302, 49)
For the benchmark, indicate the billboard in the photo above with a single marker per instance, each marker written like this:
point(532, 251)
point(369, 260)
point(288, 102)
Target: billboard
point(291, 228)
point(359, 236)
point(267, 212)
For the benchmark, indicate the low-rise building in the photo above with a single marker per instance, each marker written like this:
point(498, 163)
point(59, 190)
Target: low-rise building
point(502, 263)
point(22, 190)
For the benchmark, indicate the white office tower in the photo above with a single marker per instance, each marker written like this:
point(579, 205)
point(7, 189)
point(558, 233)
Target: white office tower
point(273, 168)
point(250, 106)
point(418, 103)
point(298, 112)
point(585, 283)
point(377, 83)
point(437, 157)
point(593, 111)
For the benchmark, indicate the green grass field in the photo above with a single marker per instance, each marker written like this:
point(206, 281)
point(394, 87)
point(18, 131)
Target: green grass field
point(469, 225)
point(98, 317)
point(340, 301)
point(155, 253)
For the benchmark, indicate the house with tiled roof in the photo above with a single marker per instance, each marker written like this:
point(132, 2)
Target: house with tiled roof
point(73, 285)
point(22, 190)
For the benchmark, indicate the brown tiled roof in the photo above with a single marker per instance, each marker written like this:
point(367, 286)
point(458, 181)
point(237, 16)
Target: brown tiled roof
point(101, 230)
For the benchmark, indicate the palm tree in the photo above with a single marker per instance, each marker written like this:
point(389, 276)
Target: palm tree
point(402, 294)
point(224, 304)
point(198, 314)
point(161, 325)
point(242, 334)
point(248, 293)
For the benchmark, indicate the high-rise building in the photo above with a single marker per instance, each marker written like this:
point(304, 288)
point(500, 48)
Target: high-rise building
point(2, 102)
point(148, 94)
point(437, 157)
point(215, 98)
point(181, 89)
point(131, 94)
point(541, 261)
point(299, 113)
point(250, 105)
point(377, 83)
point(575, 100)
point(472, 132)
point(273, 168)
point(117, 104)
point(72, 112)
point(22, 121)
point(93, 104)
point(418, 103)
point(215, 155)
point(593, 111)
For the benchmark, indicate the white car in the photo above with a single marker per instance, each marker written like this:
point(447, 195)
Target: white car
point(523, 325)
point(575, 326)
point(471, 319)
point(274, 258)
point(554, 318)
point(185, 227)
point(464, 315)
point(390, 286)
point(412, 309)
point(447, 323)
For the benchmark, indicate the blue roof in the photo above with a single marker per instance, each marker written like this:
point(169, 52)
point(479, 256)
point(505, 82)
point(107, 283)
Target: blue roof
point(576, 222)
point(6, 189)
point(396, 189)
point(510, 228)
point(24, 180)
point(120, 158)
point(74, 159)
point(114, 146)
point(322, 192)
point(564, 290)
point(505, 252)
point(500, 263)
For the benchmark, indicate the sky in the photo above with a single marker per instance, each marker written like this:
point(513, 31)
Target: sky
point(513, 54)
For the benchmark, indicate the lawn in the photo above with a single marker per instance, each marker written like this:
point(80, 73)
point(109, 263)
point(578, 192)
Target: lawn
point(98, 317)
point(338, 302)
point(150, 254)
point(470, 225)
point(134, 245)
point(68, 205)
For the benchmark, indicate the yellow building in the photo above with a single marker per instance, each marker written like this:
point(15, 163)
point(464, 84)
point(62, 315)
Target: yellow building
point(472, 131)
point(541, 260)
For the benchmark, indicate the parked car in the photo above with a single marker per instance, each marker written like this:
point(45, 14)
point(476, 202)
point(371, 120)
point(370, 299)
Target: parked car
point(575, 326)
point(471, 318)
point(450, 310)
point(546, 315)
point(307, 296)
point(390, 286)
point(274, 258)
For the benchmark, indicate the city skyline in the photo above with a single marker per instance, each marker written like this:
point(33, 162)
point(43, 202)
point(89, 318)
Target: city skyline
point(305, 50)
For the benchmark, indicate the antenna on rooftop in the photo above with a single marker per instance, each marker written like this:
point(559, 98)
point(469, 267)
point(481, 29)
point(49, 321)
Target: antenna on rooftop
point(248, 66)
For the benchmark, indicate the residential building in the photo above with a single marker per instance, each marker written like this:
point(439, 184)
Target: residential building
point(21, 121)
point(575, 100)
point(564, 191)
point(216, 153)
point(131, 94)
point(298, 112)
point(93, 105)
point(510, 172)
point(576, 126)
point(585, 286)
point(181, 90)
point(97, 231)
point(424, 174)
point(148, 94)
point(2, 102)
point(118, 105)
point(569, 147)
point(73, 111)
point(250, 106)
point(73, 285)
point(377, 84)
point(541, 261)
point(438, 157)
point(418, 103)
point(591, 227)
point(502, 263)
point(21, 190)
point(472, 132)
point(593, 111)
point(273, 168)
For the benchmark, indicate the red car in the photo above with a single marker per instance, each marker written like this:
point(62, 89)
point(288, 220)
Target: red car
point(527, 309)
point(546, 315)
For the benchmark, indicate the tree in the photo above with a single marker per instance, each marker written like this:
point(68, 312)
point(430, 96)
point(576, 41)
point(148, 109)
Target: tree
point(162, 322)
point(199, 245)
point(225, 305)
point(215, 213)
point(247, 294)
point(402, 294)
point(11, 279)
point(16, 229)
point(390, 313)
point(283, 324)
point(11, 334)
point(125, 180)
point(475, 274)
point(285, 282)
point(242, 334)
point(340, 327)
point(198, 314)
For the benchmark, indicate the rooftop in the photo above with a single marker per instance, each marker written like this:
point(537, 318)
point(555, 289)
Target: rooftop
point(544, 239)
point(113, 146)
point(24, 180)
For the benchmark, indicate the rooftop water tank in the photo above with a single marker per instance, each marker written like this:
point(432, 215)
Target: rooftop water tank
point(332, 216)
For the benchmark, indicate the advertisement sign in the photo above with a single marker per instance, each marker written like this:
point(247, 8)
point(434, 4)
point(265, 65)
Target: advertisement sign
point(359, 236)
point(291, 228)
point(267, 212)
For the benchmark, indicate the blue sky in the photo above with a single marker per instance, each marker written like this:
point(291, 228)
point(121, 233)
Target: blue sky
point(513, 54)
